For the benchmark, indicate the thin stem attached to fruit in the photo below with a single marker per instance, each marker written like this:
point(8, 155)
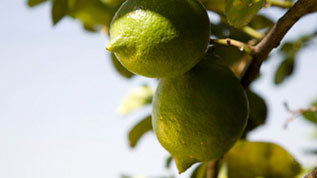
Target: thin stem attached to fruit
point(213, 169)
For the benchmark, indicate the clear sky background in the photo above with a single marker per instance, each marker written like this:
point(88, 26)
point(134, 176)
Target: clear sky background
point(59, 95)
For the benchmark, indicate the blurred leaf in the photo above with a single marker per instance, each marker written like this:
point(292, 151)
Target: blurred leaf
point(217, 6)
point(260, 22)
point(240, 12)
point(77, 5)
point(231, 57)
point(289, 50)
point(258, 111)
point(89, 28)
point(224, 30)
point(95, 16)
point(252, 159)
point(136, 99)
point(33, 3)
point(119, 68)
point(139, 130)
point(227, 55)
point(200, 171)
point(59, 10)
point(284, 70)
point(311, 115)
point(113, 3)
point(168, 162)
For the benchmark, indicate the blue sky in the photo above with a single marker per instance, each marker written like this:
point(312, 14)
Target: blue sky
point(59, 95)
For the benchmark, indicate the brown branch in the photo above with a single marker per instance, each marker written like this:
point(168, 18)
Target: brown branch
point(273, 38)
point(212, 169)
point(313, 174)
point(297, 113)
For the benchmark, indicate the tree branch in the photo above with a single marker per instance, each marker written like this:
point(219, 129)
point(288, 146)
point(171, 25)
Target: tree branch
point(313, 174)
point(273, 38)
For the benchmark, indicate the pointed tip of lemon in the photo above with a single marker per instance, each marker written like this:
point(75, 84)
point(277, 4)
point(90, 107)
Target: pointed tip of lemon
point(183, 164)
point(115, 44)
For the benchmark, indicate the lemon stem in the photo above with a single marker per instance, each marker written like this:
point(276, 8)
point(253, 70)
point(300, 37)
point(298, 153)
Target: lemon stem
point(213, 169)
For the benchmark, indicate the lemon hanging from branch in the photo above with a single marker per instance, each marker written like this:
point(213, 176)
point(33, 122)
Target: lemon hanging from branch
point(200, 115)
point(159, 38)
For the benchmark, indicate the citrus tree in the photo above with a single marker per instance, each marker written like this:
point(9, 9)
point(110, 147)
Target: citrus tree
point(203, 107)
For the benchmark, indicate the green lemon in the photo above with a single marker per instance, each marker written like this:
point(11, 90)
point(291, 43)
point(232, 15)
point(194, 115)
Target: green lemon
point(200, 115)
point(159, 38)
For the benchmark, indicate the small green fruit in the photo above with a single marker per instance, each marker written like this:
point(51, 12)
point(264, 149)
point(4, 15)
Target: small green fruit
point(200, 115)
point(159, 38)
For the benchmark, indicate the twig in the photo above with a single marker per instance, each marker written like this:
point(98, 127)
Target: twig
point(279, 3)
point(273, 38)
point(297, 113)
point(230, 42)
point(213, 169)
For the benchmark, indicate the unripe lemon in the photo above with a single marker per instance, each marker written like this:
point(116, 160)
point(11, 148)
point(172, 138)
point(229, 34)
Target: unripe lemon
point(200, 115)
point(159, 38)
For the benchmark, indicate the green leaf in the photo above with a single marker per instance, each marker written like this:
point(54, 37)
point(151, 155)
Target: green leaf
point(59, 10)
point(231, 57)
point(224, 30)
point(113, 3)
point(284, 70)
point(168, 162)
point(217, 6)
point(136, 99)
point(289, 50)
point(228, 55)
point(89, 28)
point(76, 5)
point(240, 12)
point(200, 171)
point(311, 115)
point(252, 159)
point(258, 111)
point(260, 22)
point(33, 3)
point(96, 15)
point(119, 68)
point(135, 134)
